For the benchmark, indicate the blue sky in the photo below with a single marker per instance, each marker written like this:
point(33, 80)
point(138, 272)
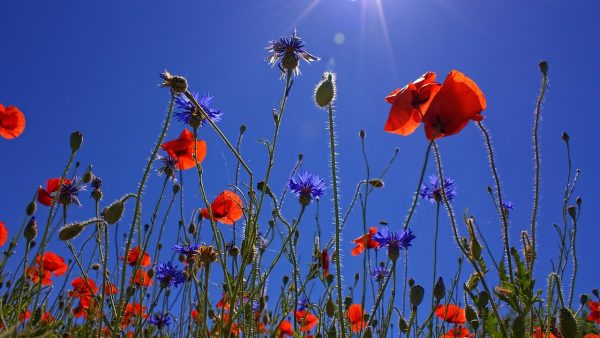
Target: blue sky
point(93, 67)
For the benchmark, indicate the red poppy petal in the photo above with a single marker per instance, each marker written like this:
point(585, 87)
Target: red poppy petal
point(3, 233)
point(12, 122)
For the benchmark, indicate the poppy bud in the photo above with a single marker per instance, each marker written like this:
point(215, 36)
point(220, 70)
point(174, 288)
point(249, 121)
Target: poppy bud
point(70, 231)
point(567, 324)
point(96, 266)
point(325, 90)
point(583, 299)
point(416, 295)
point(234, 251)
point(300, 157)
point(329, 307)
point(361, 134)
point(572, 212)
point(176, 188)
point(261, 186)
point(411, 282)
point(565, 136)
point(31, 208)
point(376, 182)
point(88, 176)
point(76, 140)
point(595, 292)
point(544, 67)
point(286, 279)
point(483, 299)
point(472, 281)
point(192, 228)
point(439, 290)
point(30, 231)
point(347, 301)
point(289, 61)
point(113, 213)
point(356, 277)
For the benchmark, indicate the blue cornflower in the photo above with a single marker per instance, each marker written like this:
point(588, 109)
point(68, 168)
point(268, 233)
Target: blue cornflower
point(288, 50)
point(394, 241)
point(307, 186)
point(69, 191)
point(160, 320)
point(190, 116)
point(507, 206)
point(188, 251)
point(261, 241)
point(303, 304)
point(433, 191)
point(169, 275)
point(169, 165)
point(379, 273)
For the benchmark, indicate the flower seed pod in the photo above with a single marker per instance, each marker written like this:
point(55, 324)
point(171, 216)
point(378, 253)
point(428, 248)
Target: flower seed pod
point(439, 290)
point(30, 231)
point(75, 141)
point(113, 213)
point(416, 295)
point(31, 208)
point(572, 212)
point(567, 324)
point(88, 176)
point(178, 84)
point(544, 67)
point(376, 182)
point(565, 136)
point(192, 228)
point(96, 266)
point(176, 188)
point(330, 307)
point(289, 62)
point(325, 90)
point(70, 231)
point(583, 299)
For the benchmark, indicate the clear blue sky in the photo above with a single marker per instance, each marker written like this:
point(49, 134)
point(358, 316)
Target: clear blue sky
point(92, 66)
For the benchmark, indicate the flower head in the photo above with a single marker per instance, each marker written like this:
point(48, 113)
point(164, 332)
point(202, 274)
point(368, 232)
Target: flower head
point(50, 263)
point(394, 241)
point(594, 315)
point(3, 233)
point(188, 251)
point(451, 313)
point(458, 332)
point(433, 191)
point(226, 208)
point(288, 50)
point(169, 164)
point(169, 275)
point(69, 192)
point(182, 149)
point(188, 113)
point(303, 303)
point(12, 122)
point(379, 273)
point(307, 187)
point(160, 320)
point(306, 320)
point(360, 242)
point(45, 196)
point(141, 278)
point(134, 255)
point(355, 315)
point(445, 109)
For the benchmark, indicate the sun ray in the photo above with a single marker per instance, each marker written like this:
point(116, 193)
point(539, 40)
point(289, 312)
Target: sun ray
point(306, 11)
point(386, 34)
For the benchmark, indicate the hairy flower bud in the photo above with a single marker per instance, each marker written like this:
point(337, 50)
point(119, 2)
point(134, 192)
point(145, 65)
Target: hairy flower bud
point(416, 295)
point(567, 324)
point(325, 90)
point(75, 141)
point(30, 231)
point(31, 208)
point(178, 84)
point(439, 290)
point(113, 213)
point(70, 231)
point(544, 67)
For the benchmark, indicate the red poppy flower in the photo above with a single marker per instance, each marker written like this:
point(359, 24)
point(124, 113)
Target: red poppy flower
point(594, 315)
point(458, 101)
point(133, 256)
point(45, 196)
point(141, 278)
point(182, 149)
point(133, 310)
point(355, 315)
point(223, 303)
point(409, 104)
point(226, 208)
point(451, 313)
point(458, 332)
point(47, 318)
point(110, 289)
point(538, 333)
point(83, 289)
point(360, 242)
point(325, 262)
point(196, 315)
point(307, 320)
point(285, 328)
point(24, 316)
point(12, 122)
point(52, 264)
point(592, 335)
point(3, 233)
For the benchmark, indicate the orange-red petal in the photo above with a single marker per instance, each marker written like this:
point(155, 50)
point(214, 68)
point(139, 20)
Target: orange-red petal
point(182, 149)
point(458, 101)
point(451, 313)
point(226, 208)
point(12, 122)
point(3, 233)
point(355, 315)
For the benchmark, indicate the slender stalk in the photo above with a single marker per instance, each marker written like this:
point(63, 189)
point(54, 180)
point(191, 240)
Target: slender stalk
point(435, 238)
point(416, 195)
point(536, 156)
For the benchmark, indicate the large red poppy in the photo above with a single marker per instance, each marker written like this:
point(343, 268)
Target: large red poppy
point(226, 208)
point(458, 101)
point(3, 233)
point(360, 242)
point(83, 289)
point(451, 313)
point(12, 122)
point(307, 320)
point(52, 264)
point(444, 109)
point(182, 149)
point(45, 196)
point(285, 328)
point(355, 315)
point(141, 278)
point(409, 103)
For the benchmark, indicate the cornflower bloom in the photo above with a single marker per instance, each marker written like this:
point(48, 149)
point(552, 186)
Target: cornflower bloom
point(303, 304)
point(189, 251)
point(69, 192)
point(169, 275)
point(190, 115)
point(307, 187)
point(288, 50)
point(433, 191)
point(507, 206)
point(394, 241)
point(169, 165)
point(379, 273)
point(160, 320)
